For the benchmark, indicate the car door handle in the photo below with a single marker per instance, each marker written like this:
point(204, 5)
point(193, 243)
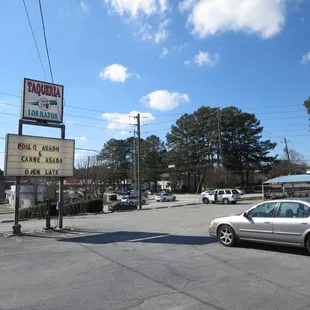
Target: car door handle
point(304, 223)
point(267, 222)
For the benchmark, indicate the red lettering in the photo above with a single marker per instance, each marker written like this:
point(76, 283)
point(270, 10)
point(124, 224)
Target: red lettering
point(58, 92)
point(29, 86)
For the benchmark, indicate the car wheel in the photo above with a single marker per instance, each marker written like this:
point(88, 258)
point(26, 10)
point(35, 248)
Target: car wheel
point(205, 200)
point(119, 209)
point(225, 201)
point(173, 199)
point(131, 202)
point(143, 202)
point(164, 199)
point(226, 236)
point(308, 244)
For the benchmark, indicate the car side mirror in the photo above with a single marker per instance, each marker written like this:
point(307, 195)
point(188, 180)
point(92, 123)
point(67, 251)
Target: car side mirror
point(245, 214)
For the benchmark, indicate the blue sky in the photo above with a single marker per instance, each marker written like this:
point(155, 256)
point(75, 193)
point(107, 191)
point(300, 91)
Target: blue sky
point(161, 58)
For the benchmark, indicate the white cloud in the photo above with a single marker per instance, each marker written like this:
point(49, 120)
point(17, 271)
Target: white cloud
point(115, 73)
point(162, 32)
point(187, 62)
point(205, 58)
point(263, 17)
point(123, 121)
point(186, 5)
point(162, 100)
point(134, 8)
point(164, 52)
point(163, 4)
point(138, 11)
point(305, 59)
point(84, 6)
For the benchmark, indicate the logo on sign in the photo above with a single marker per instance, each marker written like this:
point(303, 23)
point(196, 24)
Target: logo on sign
point(44, 104)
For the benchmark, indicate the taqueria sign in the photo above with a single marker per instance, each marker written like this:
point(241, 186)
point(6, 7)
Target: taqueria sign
point(42, 101)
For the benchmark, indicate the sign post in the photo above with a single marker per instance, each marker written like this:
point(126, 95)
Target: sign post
point(31, 156)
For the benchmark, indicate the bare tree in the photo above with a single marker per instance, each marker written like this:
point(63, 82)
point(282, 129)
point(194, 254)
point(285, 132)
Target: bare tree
point(92, 174)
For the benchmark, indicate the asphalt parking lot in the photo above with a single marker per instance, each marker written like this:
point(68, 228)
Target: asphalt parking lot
point(153, 259)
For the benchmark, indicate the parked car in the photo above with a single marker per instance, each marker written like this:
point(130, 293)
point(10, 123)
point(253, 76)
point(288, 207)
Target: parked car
point(121, 206)
point(149, 192)
point(282, 221)
point(143, 193)
point(165, 197)
point(225, 196)
point(134, 200)
point(122, 192)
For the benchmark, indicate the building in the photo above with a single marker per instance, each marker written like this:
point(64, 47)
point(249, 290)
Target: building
point(27, 195)
point(2, 185)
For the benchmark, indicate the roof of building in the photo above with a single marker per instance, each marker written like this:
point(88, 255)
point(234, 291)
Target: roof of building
point(296, 178)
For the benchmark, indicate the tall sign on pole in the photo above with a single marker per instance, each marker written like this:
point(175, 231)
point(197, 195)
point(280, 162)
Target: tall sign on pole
point(42, 101)
point(31, 156)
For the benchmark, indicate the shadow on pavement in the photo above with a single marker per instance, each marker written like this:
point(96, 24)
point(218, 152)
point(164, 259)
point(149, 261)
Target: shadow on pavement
point(143, 237)
point(273, 248)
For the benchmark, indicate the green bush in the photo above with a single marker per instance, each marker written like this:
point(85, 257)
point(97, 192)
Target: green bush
point(33, 212)
point(86, 206)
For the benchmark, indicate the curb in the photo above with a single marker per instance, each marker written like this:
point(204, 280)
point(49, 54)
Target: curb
point(178, 206)
point(161, 208)
point(7, 221)
point(192, 204)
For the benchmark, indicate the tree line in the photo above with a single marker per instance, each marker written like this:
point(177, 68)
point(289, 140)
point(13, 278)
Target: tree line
point(211, 147)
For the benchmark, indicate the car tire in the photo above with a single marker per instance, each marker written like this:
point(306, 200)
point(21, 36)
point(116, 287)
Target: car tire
point(143, 202)
point(307, 244)
point(225, 201)
point(205, 201)
point(164, 199)
point(226, 236)
point(131, 202)
point(173, 199)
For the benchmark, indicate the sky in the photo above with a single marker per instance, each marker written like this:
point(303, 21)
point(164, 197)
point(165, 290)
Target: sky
point(161, 58)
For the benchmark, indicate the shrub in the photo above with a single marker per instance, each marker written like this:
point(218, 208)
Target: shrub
point(86, 206)
point(33, 212)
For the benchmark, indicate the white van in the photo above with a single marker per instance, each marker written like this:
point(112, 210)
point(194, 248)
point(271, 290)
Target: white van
point(226, 196)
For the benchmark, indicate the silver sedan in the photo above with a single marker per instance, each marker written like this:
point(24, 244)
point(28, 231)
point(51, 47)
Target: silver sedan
point(283, 221)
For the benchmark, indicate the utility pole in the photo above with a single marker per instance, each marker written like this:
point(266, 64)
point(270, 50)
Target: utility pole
point(138, 157)
point(288, 157)
point(220, 137)
point(86, 188)
point(134, 162)
point(139, 153)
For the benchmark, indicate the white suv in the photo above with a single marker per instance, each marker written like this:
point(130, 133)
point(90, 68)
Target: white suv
point(134, 200)
point(225, 196)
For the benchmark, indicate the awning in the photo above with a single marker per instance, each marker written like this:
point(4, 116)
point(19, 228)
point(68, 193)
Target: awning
point(296, 178)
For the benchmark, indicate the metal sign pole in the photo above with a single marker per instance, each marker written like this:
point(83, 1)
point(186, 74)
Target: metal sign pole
point(17, 227)
point(61, 187)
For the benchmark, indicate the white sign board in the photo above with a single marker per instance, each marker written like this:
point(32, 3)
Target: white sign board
point(42, 101)
point(29, 156)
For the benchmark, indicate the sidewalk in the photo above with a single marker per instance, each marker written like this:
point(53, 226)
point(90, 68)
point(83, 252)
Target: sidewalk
point(6, 209)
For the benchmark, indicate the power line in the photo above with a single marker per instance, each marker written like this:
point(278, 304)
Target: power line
point(45, 40)
point(34, 39)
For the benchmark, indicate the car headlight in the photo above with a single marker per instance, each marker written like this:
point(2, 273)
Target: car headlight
point(213, 223)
